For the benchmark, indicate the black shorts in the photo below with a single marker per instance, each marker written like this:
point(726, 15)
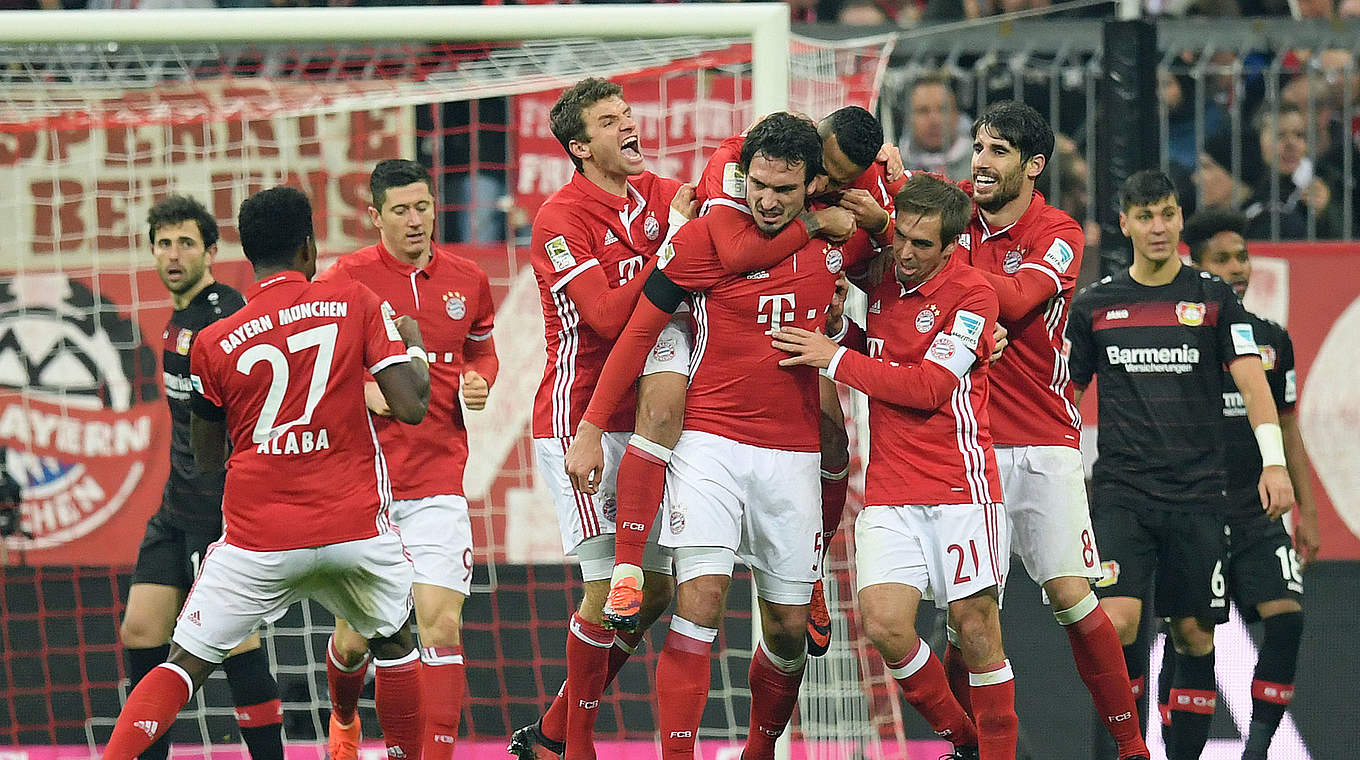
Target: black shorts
point(1183, 553)
point(1262, 564)
point(170, 555)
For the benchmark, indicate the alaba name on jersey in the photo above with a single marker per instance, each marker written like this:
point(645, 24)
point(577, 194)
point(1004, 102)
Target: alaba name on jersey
point(1159, 352)
point(287, 373)
point(936, 456)
point(1242, 455)
point(737, 388)
point(450, 298)
point(579, 227)
point(1031, 389)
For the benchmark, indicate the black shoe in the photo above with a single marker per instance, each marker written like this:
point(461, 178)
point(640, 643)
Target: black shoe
point(524, 741)
point(962, 753)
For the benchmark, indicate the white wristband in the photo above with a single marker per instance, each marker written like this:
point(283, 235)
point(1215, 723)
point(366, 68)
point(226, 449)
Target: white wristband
point(416, 352)
point(1270, 441)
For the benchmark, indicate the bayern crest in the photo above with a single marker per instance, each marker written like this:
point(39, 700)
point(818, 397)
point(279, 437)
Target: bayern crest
point(1011, 264)
point(925, 320)
point(834, 260)
point(455, 307)
point(651, 227)
point(677, 518)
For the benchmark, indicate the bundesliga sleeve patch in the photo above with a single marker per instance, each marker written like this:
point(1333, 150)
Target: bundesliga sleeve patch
point(559, 254)
point(968, 328)
point(1291, 388)
point(388, 316)
point(734, 181)
point(1243, 338)
point(1060, 255)
point(197, 383)
point(665, 255)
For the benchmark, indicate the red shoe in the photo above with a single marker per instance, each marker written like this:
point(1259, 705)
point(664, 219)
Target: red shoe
point(819, 623)
point(342, 742)
point(623, 606)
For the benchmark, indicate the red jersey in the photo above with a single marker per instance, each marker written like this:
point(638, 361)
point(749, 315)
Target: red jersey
point(288, 369)
point(737, 388)
point(582, 226)
point(937, 451)
point(1033, 264)
point(450, 298)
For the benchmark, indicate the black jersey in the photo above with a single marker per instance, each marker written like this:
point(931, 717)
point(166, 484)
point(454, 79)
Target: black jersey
point(1242, 457)
point(191, 499)
point(1160, 353)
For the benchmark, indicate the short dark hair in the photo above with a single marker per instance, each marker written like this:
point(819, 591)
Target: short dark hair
point(1208, 223)
point(1020, 125)
point(1144, 187)
point(857, 132)
point(274, 224)
point(174, 209)
point(567, 117)
point(784, 136)
point(396, 172)
point(928, 195)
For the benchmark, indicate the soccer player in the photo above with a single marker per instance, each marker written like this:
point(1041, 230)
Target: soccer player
point(451, 298)
point(852, 145)
point(306, 495)
point(1264, 571)
point(1159, 335)
point(1031, 252)
point(933, 520)
point(184, 242)
point(743, 476)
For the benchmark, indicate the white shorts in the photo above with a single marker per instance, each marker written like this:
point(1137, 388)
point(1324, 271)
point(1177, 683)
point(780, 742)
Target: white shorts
point(587, 522)
point(946, 551)
point(1050, 521)
point(762, 504)
point(673, 347)
point(366, 582)
point(437, 533)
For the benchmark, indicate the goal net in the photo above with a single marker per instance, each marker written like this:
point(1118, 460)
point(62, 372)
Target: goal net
point(92, 133)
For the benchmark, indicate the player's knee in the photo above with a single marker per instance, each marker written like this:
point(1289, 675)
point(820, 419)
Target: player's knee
point(140, 633)
point(443, 629)
point(660, 417)
point(393, 647)
point(885, 631)
point(701, 600)
point(1192, 636)
point(977, 622)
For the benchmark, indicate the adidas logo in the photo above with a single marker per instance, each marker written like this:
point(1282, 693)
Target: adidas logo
point(610, 237)
point(396, 752)
point(759, 274)
point(877, 308)
point(194, 618)
point(149, 726)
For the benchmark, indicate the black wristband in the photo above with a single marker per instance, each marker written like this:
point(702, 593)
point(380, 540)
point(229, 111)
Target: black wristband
point(664, 294)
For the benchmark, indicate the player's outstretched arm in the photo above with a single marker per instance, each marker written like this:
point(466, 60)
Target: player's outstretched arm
point(406, 386)
point(1307, 537)
point(1277, 493)
point(605, 309)
point(927, 385)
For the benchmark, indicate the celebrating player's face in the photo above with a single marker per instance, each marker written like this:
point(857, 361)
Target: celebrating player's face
point(917, 252)
point(841, 172)
point(998, 172)
point(1154, 229)
point(406, 220)
point(776, 192)
point(614, 145)
point(1225, 255)
point(181, 259)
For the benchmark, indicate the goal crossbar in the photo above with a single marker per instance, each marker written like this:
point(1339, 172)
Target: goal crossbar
point(766, 24)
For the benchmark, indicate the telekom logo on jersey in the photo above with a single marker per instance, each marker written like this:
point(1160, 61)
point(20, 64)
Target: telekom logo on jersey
point(771, 309)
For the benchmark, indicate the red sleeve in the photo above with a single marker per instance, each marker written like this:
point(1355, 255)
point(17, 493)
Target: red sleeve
point(603, 308)
point(875, 181)
point(333, 273)
point(742, 247)
point(625, 361)
point(479, 349)
point(1049, 267)
point(383, 345)
point(722, 177)
point(920, 386)
point(1021, 293)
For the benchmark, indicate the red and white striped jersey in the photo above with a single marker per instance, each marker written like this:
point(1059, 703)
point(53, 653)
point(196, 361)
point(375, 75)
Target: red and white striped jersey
point(1032, 392)
point(579, 227)
point(936, 456)
point(288, 369)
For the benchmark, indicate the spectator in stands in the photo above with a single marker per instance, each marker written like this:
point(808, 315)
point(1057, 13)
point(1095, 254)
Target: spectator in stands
point(1213, 177)
point(862, 13)
point(1291, 184)
point(1177, 91)
point(938, 136)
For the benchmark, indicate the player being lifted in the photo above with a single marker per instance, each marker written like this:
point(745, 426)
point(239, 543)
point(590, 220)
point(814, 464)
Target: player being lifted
point(282, 380)
point(1264, 572)
point(933, 520)
point(743, 476)
point(1030, 252)
point(1159, 335)
point(857, 167)
point(184, 242)
point(451, 298)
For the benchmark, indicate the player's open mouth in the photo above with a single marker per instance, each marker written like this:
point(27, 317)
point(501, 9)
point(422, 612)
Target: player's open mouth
point(632, 149)
point(984, 181)
point(173, 273)
point(769, 217)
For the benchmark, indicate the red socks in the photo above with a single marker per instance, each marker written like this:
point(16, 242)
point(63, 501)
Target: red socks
point(957, 673)
point(150, 709)
point(398, 696)
point(774, 693)
point(834, 488)
point(993, 693)
point(554, 722)
point(641, 484)
point(588, 648)
point(1100, 661)
point(922, 680)
point(682, 679)
point(442, 686)
point(345, 683)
